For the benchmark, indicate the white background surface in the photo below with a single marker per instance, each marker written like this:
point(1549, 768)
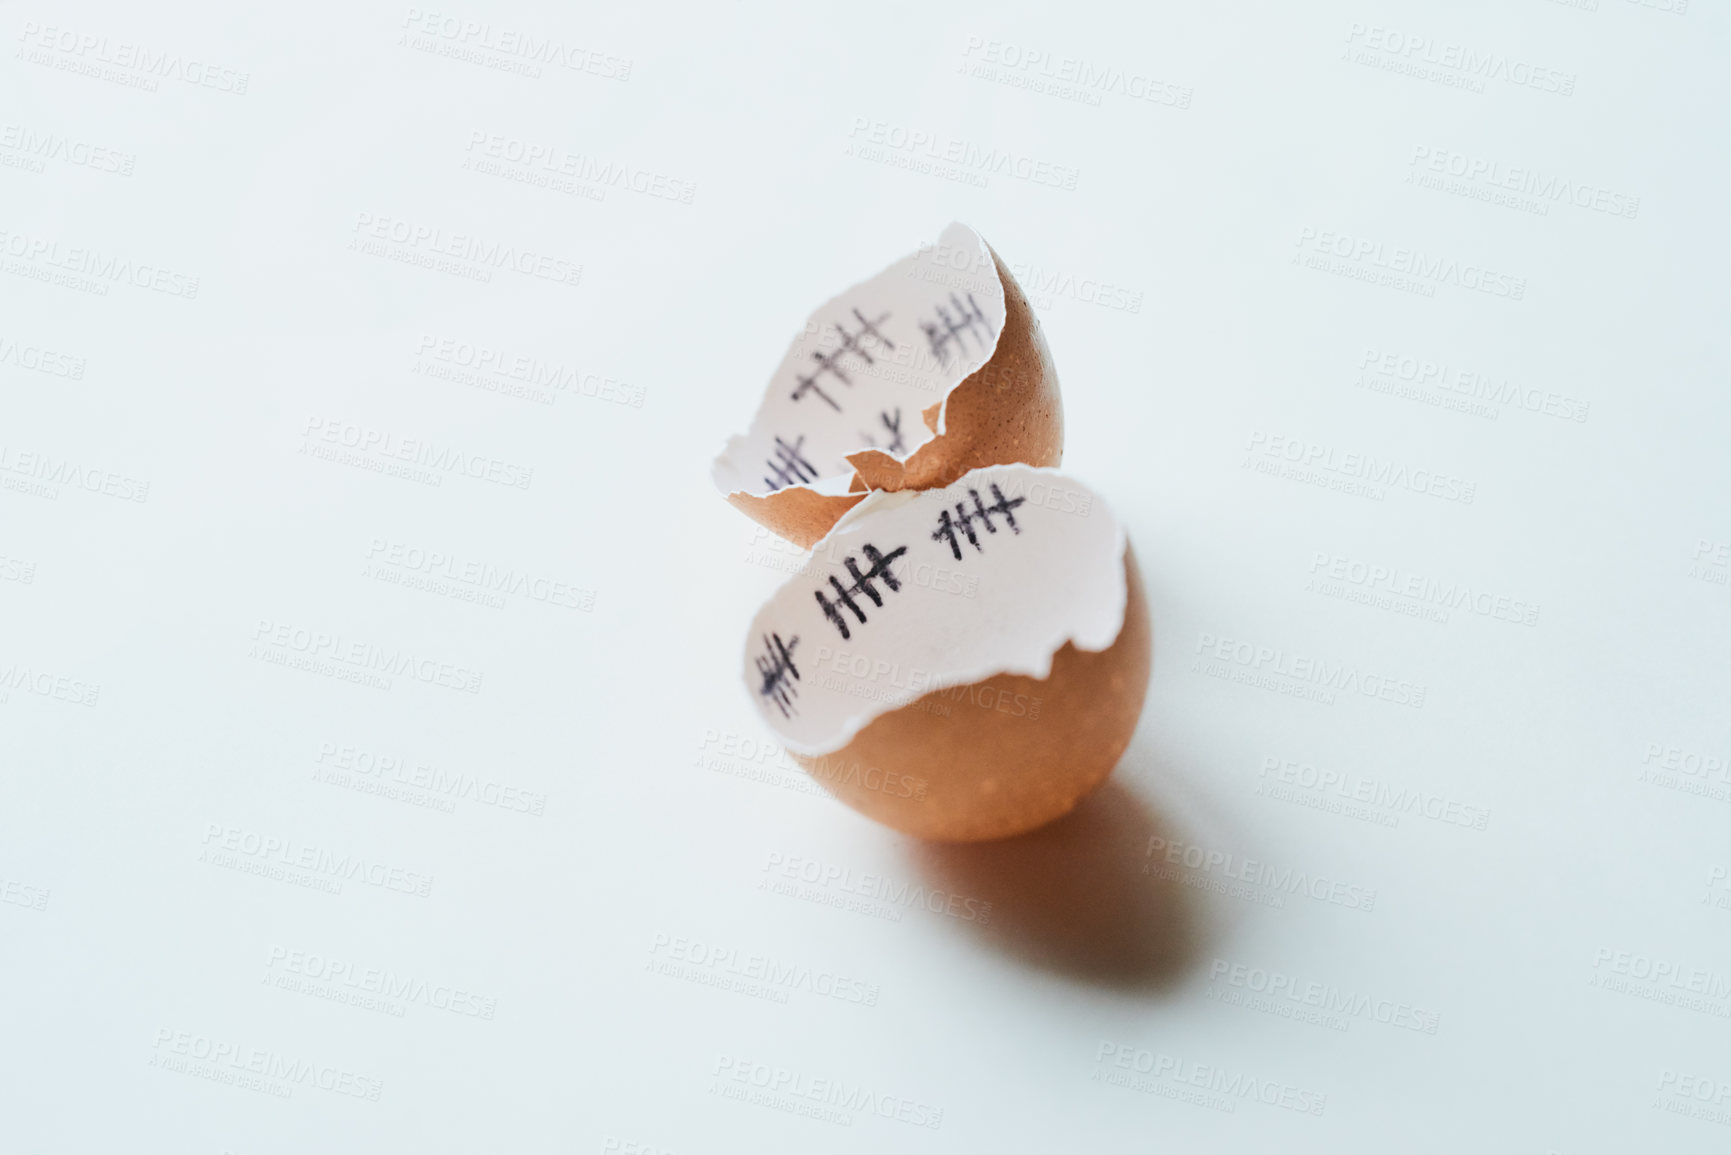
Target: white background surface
point(129, 940)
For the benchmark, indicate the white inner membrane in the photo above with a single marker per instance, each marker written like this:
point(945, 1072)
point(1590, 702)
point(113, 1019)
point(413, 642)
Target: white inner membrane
point(926, 590)
point(865, 366)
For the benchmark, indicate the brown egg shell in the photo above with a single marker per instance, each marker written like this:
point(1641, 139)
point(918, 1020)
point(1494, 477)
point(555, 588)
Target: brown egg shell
point(992, 773)
point(1008, 410)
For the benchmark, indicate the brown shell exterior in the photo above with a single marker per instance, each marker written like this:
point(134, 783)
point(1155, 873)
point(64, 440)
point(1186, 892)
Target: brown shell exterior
point(1006, 411)
point(989, 772)
point(802, 516)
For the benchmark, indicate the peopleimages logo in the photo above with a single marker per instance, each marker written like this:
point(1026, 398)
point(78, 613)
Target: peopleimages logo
point(1324, 676)
point(1208, 1076)
point(728, 968)
point(1420, 589)
point(557, 161)
point(763, 760)
point(45, 146)
point(1347, 469)
point(40, 360)
point(1421, 267)
point(1662, 980)
point(887, 681)
point(1325, 997)
point(429, 242)
point(54, 471)
point(281, 638)
point(804, 1091)
point(940, 148)
point(1069, 77)
point(1700, 1088)
point(337, 978)
point(104, 267)
point(478, 575)
point(1546, 188)
point(1469, 384)
point(1283, 880)
point(534, 373)
point(1419, 52)
point(91, 50)
point(1284, 779)
point(411, 451)
point(317, 860)
point(47, 684)
point(380, 772)
point(1037, 281)
point(443, 29)
point(877, 887)
point(23, 894)
point(226, 1061)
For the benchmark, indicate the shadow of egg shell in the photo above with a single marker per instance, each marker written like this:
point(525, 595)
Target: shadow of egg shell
point(1007, 411)
point(991, 768)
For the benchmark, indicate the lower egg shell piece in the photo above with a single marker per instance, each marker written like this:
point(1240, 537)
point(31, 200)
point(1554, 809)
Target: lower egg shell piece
point(971, 763)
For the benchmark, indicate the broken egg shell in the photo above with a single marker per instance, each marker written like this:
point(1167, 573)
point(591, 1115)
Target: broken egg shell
point(990, 772)
point(1007, 411)
point(803, 516)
